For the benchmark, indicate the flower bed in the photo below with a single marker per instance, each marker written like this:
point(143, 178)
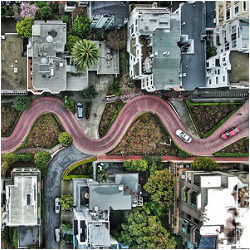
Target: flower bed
point(9, 117)
point(110, 113)
point(44, 132)
point(146, 136)
point(207, 117)
point(81, 169)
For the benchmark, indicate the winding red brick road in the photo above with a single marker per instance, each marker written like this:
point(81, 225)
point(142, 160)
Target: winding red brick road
point(128, 114)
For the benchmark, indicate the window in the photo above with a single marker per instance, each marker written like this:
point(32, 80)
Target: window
point(218, 72)
point(223, 59)
point(245, 5)
point(217, 80)
point(224, 78)
point(236, 8)
point(210, 81)
point(228, 14)
point(233, 36)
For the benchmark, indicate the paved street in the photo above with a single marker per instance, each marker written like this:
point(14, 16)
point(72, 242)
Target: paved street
point(52, 189)
point(138, 105)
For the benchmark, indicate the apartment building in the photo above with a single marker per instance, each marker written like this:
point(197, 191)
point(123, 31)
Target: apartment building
point(232, 26)
point(214, 209)
point(92, 204)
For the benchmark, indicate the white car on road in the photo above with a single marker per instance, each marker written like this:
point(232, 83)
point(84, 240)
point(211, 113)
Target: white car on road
point(57, 205)
point(183, 136)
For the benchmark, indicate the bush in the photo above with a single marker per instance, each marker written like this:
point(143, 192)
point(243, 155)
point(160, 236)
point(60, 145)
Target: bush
point(117, 39)
point(41, 4)
point(90, 92)
point(65, 19)
point(183, 154)
point(136, 165)
point(6, 11)
point(15, 238)
point(45, 12)
point(41, 160)
point(205, 164)
point(81, 26)
point(65, 139)
point(22, 103)
point(66, 201)
point(28, 10)
point(11, 158)
point(25, 157)
point(71, 41)
point(69, 104)
point(24, 27)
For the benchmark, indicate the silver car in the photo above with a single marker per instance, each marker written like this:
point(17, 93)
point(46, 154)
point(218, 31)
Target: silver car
point(57, 234)
point(57, 205)
point(183, 136)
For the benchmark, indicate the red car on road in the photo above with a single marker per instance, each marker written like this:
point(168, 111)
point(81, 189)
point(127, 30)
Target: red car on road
point(231, 132)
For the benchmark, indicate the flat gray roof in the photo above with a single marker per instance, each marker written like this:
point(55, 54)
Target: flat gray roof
point(194, 17)
point(99, 234)
point(108, 196)
point(166, 66)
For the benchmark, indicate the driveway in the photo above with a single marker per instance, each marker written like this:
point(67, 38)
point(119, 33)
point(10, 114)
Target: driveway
point(52, 189)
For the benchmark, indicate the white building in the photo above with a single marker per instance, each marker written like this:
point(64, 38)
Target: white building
point(153, 60)
point(228, 69)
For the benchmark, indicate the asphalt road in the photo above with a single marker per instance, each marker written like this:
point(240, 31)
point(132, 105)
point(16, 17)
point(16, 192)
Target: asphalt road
point(52, 189)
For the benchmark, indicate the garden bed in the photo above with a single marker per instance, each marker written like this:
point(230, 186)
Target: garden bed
point(238, 148)
point(146, 136)
point(44, 132)
point(81, 169)
point(110, 113)
point(208, 117)
point(9, 117)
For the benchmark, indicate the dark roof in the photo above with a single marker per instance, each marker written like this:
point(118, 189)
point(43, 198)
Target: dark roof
point(194, 17)
point(207, 243)
point(120, 10)
point(210, 14)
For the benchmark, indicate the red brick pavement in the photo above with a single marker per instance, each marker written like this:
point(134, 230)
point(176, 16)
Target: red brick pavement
point(125, 118)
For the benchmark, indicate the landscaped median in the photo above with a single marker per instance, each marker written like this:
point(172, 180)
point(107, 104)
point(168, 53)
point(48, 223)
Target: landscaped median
point(208, 117)
point(80, 169)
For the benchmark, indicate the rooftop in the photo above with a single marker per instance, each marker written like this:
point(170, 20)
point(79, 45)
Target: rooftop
point(99, 234)
point(193, 24)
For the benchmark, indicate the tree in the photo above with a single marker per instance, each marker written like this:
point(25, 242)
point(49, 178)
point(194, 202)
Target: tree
point(65, 139)
point(71, 41)
point(81, 26)
point(28, 10)
point(66, 201)
point(136, 165)
point(90, 92)
point(66, 228)
point(205, 164)
point(145, 231)
point(4, 168)
point(85, 54)
point(69, 103)
point(160, 186)
point(41, 160)
point(24, 27)
point(45, 12)
point(6, 11)
point(41, 4)
point(117, 39)
point(22, 103)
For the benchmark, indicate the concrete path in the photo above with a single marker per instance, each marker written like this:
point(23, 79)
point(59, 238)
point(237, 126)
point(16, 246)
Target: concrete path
point(52, 189)
point(128, 114)
point(184, 116)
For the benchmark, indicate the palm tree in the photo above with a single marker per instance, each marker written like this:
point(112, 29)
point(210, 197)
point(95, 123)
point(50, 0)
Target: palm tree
point(85, 54)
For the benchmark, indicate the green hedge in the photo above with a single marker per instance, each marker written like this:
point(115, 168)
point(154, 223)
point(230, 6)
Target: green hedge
point(232, 154)
point(68, 177)
point(220, 123)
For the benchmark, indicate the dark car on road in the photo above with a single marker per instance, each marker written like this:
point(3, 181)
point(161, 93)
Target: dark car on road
point(79, 106)
point(231, 132)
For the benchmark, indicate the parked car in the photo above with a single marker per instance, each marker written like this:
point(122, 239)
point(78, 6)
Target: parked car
point(183, 136)
point(79, 106)
point(57, 205)
point(231, 132)
point(57, 234)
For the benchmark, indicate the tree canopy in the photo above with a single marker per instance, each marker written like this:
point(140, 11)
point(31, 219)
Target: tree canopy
point(117, 39)
point(84, 54)
point(24, 27)
point(205, 164)
point(22, 103)
point(71, 41)
point(90, 92)
point(145, 231)
point(65, 139)
point(81, 26)
point(66, 201)
point(41, 160)
point(160, 186)
point(136, 165)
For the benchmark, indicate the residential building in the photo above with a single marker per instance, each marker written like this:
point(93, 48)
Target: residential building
point(108, 14)
point(23, 198)
point(232, 26)
point(214, 209)
point(51, 69)
point(92, 204)
point(228, 69)
point(164, 47)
